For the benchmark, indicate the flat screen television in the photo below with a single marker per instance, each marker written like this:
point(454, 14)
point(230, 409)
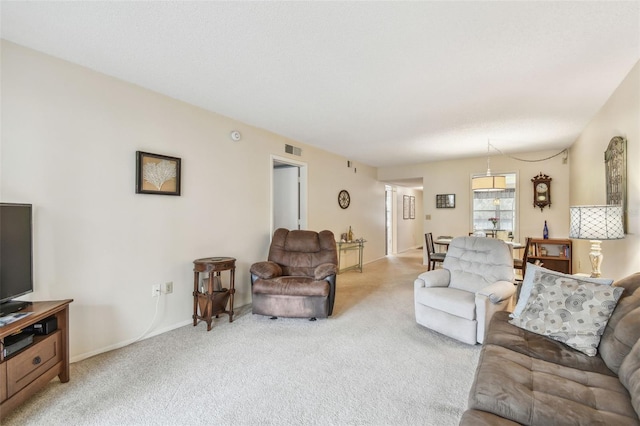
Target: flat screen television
point(16, 259)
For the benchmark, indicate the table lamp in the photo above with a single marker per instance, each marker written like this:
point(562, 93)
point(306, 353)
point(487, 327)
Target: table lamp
point(596, 223)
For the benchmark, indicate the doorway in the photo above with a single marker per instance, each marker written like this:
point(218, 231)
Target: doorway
point(288, 194)
point(389, 219)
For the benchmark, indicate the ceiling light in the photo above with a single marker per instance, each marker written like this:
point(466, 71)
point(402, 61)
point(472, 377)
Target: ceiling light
point(488, 182)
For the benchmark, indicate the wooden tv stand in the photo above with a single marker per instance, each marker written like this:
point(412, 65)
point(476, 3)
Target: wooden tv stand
point(24, 373)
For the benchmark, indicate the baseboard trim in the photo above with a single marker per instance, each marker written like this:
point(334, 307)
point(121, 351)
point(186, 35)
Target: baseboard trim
point(119, 345)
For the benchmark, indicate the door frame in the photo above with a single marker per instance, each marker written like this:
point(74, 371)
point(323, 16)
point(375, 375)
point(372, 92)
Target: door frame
point(303, 182)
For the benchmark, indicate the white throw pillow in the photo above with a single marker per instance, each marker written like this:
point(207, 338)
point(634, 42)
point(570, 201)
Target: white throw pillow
point(527, 285)
point(569, 310)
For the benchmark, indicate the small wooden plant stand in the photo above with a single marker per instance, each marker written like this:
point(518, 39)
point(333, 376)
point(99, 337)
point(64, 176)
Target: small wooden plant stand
point(210, 299)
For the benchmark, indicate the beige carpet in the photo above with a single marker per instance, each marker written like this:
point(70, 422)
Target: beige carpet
point(369, 364)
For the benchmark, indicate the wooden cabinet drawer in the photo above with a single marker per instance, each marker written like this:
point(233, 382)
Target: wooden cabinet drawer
point(29, 364)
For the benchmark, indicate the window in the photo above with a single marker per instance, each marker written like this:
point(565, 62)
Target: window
point(496, 210)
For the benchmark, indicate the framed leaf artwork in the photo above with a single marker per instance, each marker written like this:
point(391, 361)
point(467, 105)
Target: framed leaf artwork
point(157, 174)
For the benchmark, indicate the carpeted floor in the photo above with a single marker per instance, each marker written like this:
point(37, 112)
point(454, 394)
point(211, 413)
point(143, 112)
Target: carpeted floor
point(369, 364)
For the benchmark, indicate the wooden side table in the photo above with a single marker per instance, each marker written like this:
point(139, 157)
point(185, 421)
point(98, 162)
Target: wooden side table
point(207, 298)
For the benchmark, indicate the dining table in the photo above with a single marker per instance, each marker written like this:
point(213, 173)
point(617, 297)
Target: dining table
point(446, 241)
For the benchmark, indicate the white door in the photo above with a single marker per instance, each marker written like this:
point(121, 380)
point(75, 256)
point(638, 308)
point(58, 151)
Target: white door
point(286, 197)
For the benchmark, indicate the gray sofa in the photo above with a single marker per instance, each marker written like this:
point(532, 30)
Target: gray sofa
point(526, 378)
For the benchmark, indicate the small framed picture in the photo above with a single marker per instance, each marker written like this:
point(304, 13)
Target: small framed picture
point(157, 174)
point(405, 206)
point(445, 201)
point(412, 207)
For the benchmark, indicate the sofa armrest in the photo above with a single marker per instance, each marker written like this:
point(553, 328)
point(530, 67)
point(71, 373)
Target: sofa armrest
point(324, 270)
point(498, 291)
point(435, 278)
point(491, 299)
point(266, 270)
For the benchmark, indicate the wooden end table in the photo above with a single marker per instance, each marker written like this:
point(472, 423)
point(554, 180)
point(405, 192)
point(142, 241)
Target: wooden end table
point(210, 299)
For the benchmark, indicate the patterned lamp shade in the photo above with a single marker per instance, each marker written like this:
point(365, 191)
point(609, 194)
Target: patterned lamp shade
point(596, 222)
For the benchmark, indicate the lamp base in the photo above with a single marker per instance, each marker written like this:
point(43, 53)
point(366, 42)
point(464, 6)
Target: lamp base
point(595, 256)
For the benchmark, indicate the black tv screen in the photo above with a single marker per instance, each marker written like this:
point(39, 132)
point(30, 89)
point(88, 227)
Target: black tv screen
point(16, 261)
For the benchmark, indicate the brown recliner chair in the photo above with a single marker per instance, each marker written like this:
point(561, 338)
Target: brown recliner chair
point(299, 278)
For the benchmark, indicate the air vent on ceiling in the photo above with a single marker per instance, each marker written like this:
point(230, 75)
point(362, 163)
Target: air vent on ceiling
point(290, 149)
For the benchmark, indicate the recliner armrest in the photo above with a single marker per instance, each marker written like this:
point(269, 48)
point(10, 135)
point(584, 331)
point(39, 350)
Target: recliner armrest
point(324, 270)
point(435, 278)
point(266, 270)
point(498, 291)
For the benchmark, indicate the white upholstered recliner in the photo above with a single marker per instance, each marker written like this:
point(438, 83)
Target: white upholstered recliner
point(476, 280)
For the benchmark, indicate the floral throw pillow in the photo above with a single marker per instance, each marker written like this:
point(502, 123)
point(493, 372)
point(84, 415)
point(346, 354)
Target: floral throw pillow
point(569, 310)
point(530, 276)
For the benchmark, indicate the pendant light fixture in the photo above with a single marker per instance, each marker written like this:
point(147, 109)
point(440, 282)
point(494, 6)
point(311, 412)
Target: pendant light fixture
point(488, 182)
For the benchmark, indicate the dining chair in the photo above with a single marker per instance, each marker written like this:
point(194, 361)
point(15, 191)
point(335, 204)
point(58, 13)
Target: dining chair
point(432, 255)
point(521, 264)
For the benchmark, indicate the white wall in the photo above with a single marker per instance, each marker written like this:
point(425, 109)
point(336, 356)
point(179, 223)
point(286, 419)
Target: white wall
point(69, 137)
point(580, 181)
point(454, 177)
point(620, 116)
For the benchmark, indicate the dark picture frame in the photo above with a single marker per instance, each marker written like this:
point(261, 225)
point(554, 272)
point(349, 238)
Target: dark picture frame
point(405, 207)
point(446, 201)
point(157, 174)
point(412, 207)
point(408, 207)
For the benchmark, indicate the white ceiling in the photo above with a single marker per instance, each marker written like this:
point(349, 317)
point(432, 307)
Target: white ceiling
point(382, 83)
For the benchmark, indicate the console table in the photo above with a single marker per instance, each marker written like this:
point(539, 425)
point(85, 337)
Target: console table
point(347, 247)
point(208, 295)
point(27, 371)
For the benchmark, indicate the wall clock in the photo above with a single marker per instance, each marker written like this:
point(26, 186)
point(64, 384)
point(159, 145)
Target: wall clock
point(541, 191)
point(344, 199)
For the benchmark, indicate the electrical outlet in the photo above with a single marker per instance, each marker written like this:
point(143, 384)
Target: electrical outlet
point(168, 287)
point(155, 290)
